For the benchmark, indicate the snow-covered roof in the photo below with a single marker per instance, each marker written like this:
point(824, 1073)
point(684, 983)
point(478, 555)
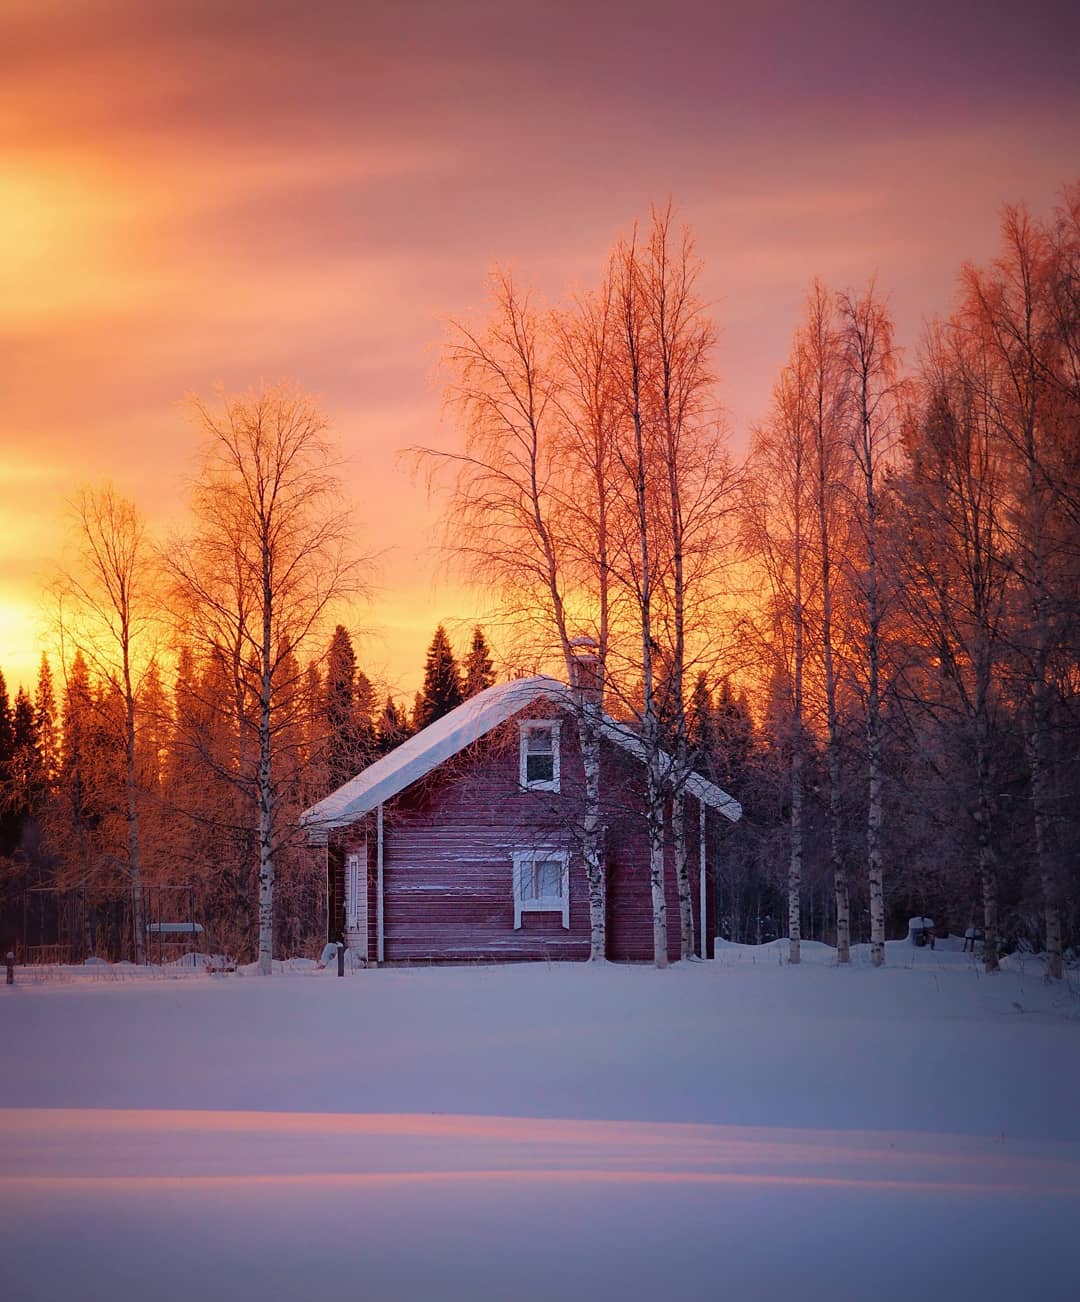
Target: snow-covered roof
point(699, 787)
point(416, 757)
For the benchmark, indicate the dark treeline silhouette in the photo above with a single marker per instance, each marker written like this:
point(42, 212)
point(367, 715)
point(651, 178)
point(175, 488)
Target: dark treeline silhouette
point(867, 632)
point(66, 893)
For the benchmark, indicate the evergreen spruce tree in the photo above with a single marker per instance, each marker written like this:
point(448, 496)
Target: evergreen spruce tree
point(25, 761)
point(47, 724)
point(479, 673)
point(701, 728)
point(152, 739)
point(734, 733)
point(75, 822)
point(22, 796)
point(441, 692)
point(6, 736)
point(185, 732)
point(9, 821)
point(290, 701)
point(392, 727)
point(342, 759)
point(364, 717)
point(151, 752)
point(314, 757)
point(76, 747)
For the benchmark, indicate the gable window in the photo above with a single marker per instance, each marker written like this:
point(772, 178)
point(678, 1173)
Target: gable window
point(539, 755)
point(542, 883)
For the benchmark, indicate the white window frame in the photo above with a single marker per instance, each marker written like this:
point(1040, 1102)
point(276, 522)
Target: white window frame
point(528, 726)
point(524, 861)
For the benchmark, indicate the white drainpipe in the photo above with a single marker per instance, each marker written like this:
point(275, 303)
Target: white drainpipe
point(379, 885)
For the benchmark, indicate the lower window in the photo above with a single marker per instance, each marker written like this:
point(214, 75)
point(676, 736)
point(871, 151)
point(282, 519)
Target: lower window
point(542, 883)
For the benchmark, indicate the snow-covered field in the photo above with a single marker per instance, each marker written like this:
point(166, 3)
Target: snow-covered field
point(739, 1129)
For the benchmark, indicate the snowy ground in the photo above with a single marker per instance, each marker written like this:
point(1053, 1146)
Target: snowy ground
point(739, 1129)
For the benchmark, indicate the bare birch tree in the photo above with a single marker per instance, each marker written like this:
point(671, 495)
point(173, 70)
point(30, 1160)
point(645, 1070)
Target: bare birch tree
point(269, 557)
point(694, 493)
point(778, 523)
point(589, 430)
point(590, 491)
point(869, 359)
point(954, 572)
point(108, 612)
point(675, 496)
point(527, 505)
point(635, 368)
point(819, 344)
point(1009, 309)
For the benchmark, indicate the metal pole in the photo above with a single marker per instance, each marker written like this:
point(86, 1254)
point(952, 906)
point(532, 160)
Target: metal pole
point(9, 959)
point(704, 877)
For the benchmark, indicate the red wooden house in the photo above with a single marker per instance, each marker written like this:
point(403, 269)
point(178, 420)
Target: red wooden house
point(464, 844)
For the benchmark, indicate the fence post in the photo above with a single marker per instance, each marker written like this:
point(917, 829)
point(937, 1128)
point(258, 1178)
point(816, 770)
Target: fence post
point(9, 959)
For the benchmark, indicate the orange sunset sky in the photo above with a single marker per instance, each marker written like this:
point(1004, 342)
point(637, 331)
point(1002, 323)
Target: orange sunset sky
point(205, 194)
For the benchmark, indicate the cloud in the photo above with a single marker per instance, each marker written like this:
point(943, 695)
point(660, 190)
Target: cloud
point(194, 194)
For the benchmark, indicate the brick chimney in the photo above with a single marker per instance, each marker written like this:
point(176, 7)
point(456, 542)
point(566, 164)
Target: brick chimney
point(586, 677)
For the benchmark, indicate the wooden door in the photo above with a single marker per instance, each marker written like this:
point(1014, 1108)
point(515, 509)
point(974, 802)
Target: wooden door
point(356, 902)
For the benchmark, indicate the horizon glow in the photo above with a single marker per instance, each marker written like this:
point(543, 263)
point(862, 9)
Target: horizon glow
point(204, 199)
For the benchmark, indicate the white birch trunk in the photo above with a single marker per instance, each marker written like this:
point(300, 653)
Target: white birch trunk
point(1055, 966)
point(875, 875)
point(656, 870)
point(832, 743)
point(986, 864)
point(1045, 859)
point(795, 862)
point(266, 882)
point(682, 877)
point(874, 872)
point(591, 849)
point(138, 922)
point(265, 790)
point(655, 794)
point(840, 877)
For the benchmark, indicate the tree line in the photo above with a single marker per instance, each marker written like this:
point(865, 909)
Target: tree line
point(865, 629)
point(891, 575)
point(202, 706)
point(66, 848)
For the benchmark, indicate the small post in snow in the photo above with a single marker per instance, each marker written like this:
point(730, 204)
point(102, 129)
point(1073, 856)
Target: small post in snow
point(9, 959)
point(341, 958)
